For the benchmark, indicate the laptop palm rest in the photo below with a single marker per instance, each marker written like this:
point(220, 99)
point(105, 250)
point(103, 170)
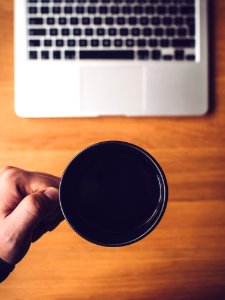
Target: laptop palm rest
point(112, 89)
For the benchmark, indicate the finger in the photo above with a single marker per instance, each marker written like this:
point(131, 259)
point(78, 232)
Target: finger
point(12, 181)
point(58, 215)
point(39, 181)
point(52, 215)
point(45, 227)
point(16, 184)
point(33, 209)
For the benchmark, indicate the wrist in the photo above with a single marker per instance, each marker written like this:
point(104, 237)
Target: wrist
point(5, 269)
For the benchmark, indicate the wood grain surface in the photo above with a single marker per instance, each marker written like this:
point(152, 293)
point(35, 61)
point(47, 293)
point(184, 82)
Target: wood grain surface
point(184, 258)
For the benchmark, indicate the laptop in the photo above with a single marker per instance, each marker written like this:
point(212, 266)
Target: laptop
point(88, 58)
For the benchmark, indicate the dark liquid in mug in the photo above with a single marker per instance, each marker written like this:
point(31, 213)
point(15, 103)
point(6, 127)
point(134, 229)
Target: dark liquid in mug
point(115, 191)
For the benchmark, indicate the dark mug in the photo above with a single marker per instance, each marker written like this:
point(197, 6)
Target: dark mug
point(113, 193)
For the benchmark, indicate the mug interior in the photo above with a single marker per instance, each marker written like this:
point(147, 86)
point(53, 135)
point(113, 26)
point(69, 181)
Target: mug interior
point(113, 193)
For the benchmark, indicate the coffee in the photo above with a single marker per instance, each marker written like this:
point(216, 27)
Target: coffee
point(112, 192)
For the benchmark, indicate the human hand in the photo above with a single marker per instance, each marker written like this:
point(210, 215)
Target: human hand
point(29, 207)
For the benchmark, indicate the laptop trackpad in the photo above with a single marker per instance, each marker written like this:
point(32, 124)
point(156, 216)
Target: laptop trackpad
point(109, 90)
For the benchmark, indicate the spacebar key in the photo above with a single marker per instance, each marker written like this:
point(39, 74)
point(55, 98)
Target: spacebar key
point(108, 54)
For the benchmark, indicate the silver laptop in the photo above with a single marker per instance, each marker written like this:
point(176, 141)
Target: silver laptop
point(81, 58)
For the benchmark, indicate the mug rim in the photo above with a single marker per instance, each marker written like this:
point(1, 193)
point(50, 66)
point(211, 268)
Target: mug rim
point(160, 212)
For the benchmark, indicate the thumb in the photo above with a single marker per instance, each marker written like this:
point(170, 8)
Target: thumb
point(33, 208)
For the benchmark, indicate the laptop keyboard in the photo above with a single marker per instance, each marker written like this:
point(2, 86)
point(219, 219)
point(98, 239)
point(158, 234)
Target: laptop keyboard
point(116, 29)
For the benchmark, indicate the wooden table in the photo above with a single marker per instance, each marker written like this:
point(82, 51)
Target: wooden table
point(184, 258)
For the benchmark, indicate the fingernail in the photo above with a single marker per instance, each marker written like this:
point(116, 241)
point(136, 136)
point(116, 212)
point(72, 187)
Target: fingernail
point(52, 193)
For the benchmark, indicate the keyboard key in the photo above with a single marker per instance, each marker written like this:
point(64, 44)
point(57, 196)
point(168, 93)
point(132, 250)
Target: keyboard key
point(130, 43)
point(103, 9)
point(181, 31)
point(156, 54)
point(40, 32)
point(107, 54)
point(153, 43)
point(161, 10)
point(158, 31)
point(112, 31)
point(115, 10)
point(135, 31)
point(190, 57)
point(44, 10)
point(109, 20)
point(179, 54)
point(50, 21)
point(118, 43)
point(79, 9)
point(156, 21)
point(143, 54)
point(138, 10)
point(167, 21)
point(100, 31)
point(124, 31)
point(192, 30)
point(144, 21)
point(149, 10)
point(59, 43)
point(88, 31)
point(106, 43)
point(132, 20)
point(172, 10)
point(190, 21)
point(68, 10)
point(86, 21)
point(141, 43)
point(35, 43)
point(32, 10)
point(184, 43)
point(69, 54)
point(62, 21)
point(74, 21)
point(170, 32)
point(167, 57)
point(120, 20)
point(97, 21)
point(94, 43)
point(83, 43)
point(54, 31)
point(36, 21)
point(33, 55)
point(164, 43)
point(71, 43)
point(44, 54)
point(147, 31)
point(126, 10)
point(187, 10)
point(91, 9)
point(47, 43)
point(179, 21)
point(65, 31)
point(77, 31)
point(56, 9)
